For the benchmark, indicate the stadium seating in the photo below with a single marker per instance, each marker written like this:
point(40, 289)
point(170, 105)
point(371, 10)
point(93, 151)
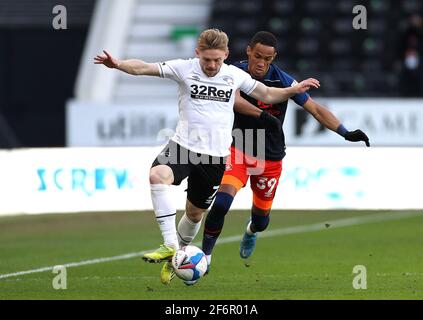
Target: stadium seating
point(38, 69)
point(38, 13)
point(155, 34)
point(316, 38)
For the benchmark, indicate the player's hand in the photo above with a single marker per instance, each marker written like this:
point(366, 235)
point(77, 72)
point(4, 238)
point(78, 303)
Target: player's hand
point(107, 60)
point(306, 85)
point(357, 135)
point(271, 122)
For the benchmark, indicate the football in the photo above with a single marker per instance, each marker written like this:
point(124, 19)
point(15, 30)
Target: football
point(190, 264)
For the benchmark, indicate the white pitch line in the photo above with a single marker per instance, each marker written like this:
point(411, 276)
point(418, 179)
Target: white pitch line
point(271, 233)
point(76, 264)
point(333, 224)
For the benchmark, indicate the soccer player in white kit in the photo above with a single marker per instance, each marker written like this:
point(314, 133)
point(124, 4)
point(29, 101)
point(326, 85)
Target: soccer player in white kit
point(199, 148)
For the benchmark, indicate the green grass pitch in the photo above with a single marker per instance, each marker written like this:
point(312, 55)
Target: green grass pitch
point(302, 255)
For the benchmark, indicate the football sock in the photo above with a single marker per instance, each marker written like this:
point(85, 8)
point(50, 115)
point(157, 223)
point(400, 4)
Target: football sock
point(165, 213)
point(215, 220)
point(248, 230)
point(209, 240)
point(187, 230)
point(258, 223)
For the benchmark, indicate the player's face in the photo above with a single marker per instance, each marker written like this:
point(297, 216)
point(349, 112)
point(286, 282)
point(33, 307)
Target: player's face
point(211, 60)
point(259, 59)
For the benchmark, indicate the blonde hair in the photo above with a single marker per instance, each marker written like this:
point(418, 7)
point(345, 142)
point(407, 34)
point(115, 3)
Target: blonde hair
point(213, 39)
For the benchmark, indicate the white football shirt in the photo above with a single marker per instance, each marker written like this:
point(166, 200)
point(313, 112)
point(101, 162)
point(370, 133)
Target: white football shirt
point(206, 104)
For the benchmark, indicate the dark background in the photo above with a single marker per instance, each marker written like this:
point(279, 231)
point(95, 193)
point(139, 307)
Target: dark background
point(39, 65)
point(38, 69)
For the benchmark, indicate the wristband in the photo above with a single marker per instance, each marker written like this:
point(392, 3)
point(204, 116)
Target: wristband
point(342, 131)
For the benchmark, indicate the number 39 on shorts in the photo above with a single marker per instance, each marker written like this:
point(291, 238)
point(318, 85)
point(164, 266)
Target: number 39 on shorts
point(267, 185)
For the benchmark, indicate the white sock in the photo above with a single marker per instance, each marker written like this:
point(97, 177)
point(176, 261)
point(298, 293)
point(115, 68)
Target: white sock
point(248, 230)
point(208, 258)
point(187, 230)
point(165, 213)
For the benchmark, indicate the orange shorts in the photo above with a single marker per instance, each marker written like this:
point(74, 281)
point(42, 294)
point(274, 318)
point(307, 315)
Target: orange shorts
point(264, 175)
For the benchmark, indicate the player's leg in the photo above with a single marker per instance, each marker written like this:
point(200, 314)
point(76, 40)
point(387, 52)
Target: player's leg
point(203, 184)
point(188, 226)
point(190, 223)
point(264, 188)
point(160, 195)
point(258, 222)
point(216, 216)
point(161, 177)
point(233, 180)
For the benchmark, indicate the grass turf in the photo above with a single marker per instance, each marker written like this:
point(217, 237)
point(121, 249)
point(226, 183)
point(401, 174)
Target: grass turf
point(304, 265)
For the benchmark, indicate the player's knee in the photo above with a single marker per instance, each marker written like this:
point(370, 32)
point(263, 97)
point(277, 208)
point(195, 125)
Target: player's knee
point(260, 222)
point(160, 176)
point(195, 216)
point(155, 178)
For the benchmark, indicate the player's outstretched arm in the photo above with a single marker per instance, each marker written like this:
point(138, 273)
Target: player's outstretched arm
point(246, 108)
point(276, 95)
point(328, 119)
point(133, 66)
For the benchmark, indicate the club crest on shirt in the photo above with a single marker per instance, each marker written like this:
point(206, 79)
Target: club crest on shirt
point(229, 80)
point(228, 167)
point(195, 77)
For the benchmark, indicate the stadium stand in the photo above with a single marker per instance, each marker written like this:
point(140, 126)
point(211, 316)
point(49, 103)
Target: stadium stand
point(29, 13)
point(156, 34)
point(35, 60)
point(317, 39)
point(152, 30)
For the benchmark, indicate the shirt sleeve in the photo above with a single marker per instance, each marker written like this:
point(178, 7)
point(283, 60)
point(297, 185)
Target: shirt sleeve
point(246, 83)
point(173, 69)
point(289, 81)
